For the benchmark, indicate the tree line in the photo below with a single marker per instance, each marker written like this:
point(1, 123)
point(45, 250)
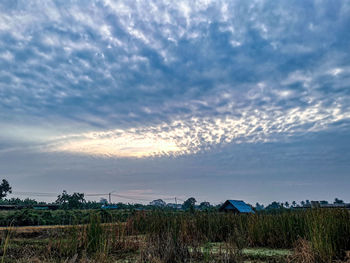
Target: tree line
point(78, 201)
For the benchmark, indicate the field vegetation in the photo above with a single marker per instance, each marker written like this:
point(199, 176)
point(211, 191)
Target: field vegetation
point(314, 235)
point(31, 217)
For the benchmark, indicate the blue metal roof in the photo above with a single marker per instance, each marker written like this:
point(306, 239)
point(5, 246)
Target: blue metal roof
point(240, 206)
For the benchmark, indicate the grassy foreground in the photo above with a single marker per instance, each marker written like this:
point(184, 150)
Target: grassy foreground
point(299, 236)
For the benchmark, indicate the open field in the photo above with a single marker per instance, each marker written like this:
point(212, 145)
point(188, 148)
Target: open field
point(300, 236)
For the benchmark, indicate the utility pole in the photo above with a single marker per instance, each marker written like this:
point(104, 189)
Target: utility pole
point(176, 202)
point(110, 196)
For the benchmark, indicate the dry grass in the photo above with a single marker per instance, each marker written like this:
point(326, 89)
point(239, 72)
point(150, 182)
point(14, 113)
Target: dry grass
point(303, 252)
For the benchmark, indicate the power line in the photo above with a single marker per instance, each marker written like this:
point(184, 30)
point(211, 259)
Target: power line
point(50, 194)
point(131, 198)
point(45, 194)
point(34, 194)
point(96, 194)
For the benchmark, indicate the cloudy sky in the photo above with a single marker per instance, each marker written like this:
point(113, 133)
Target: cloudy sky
point(212, 99)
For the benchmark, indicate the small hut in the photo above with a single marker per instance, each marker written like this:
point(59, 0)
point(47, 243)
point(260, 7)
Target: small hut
point(237, 207)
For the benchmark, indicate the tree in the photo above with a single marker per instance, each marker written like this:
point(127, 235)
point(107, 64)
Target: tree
point(204, 205)
point(189, 203)
point(103, 201)
point(158, 203)
point(286, 204)
point(273, 206)
point(294, 204)
point(338, 201)
point(259, 207)
point(74, 201)
point(5, 188)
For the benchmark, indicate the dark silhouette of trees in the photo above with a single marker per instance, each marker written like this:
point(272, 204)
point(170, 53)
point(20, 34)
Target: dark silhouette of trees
point(158, 203)
point(189, 203)
point(338, 201)
point(103, 201)
point(74, 201)
point(274, 206)
point(5, 188)
point(259, 207)
point(20, 202)
point(204, 205)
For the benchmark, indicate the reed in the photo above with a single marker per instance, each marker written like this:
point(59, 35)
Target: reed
point(327, 230)
point(320, 235)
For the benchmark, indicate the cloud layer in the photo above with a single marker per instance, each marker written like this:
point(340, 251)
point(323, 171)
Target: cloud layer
point(188, 137)
point(150, 78)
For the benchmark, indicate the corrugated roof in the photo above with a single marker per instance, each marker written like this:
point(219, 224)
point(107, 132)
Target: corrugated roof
point(241, 206)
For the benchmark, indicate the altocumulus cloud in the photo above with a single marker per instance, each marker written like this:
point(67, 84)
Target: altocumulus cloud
point(151, 78)
point(189, 137)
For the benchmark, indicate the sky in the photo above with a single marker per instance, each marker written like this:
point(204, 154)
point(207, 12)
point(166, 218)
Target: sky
point(219, 100)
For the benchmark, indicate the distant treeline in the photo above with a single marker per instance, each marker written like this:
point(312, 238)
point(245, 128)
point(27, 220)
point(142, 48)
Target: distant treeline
point(77, 201)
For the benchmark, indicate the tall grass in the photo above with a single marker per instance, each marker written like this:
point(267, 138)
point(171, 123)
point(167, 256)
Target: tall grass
point(328, 230)
point(329, 233)
point(319, 235)
point(5, 243)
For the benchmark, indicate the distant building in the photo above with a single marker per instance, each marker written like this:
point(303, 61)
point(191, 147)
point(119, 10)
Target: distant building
point(174, 206)
point(45, 207)
point(109, 207)
point(318, 204)
point(237, 207)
